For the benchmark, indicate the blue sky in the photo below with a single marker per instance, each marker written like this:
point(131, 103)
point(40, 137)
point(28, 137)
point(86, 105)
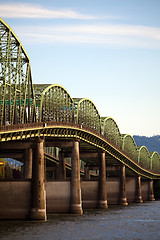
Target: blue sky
point(104, 50)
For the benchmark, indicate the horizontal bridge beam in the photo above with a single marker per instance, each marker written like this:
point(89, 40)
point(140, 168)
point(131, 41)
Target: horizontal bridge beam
point(70, 131)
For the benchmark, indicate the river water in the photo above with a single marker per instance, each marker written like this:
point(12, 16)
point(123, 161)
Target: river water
point(134, 222)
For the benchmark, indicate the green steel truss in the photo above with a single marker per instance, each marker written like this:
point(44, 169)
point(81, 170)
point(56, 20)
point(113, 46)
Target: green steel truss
point(53, 103)
point(129, 146)
point(21, 103)
point(155, 161)
point(111, 131)
point(16, 91)
point(87, 114)
point(144, 157)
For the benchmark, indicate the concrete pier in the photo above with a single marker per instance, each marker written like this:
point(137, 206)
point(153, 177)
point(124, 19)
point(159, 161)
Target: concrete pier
point(62, 167)
point(123, 198)
point(27, 170)
point(75, 198)
point(87, 173)
point(151, 191)
point(102, 200)
point(38, 194)
point(138, 190)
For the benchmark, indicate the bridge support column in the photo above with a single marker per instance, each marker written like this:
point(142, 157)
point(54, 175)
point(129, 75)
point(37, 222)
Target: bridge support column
point(102, 201)
point(76, 202)
point(38, 194)
point(27, 170)
point(62, 167)
point(138, 190)
point(151, 191)
point(87, 172)
point(55, 172)
point(123, 198)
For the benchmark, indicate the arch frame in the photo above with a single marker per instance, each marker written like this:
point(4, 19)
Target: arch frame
point(118, 131)
point(95, 108)
point(13, 33)
point(148, 155)
point(46, 90)
point(152, 159)
point(17, 102)
point(133, 141)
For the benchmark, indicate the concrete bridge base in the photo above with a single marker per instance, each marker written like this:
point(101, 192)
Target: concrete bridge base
point(138, 191)
point(123, 198)
point(75, 193)
point(38, 194)
point(15, 196)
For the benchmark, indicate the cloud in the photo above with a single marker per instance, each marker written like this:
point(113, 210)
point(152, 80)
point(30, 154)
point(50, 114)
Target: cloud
point(24, 10)
point(105, 30)
point(123, 35)
point(113, 34)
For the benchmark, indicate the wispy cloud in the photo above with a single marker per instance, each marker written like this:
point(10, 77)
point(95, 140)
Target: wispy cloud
point(105, 29)
point(126, 35)
point(34, 11)
point(113, 34)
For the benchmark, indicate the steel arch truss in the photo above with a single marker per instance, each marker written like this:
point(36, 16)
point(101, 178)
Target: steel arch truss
point(16, 91)
point(111, 131)
point(144, 159)
point(155, 162)
point(129, 146)
point(87, 114)
point(54, 104)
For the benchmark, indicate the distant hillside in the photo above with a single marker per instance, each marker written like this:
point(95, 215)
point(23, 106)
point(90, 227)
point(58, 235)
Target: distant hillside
point(152, 143)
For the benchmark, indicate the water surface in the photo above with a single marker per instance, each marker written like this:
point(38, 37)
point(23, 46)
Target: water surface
point(134, 222)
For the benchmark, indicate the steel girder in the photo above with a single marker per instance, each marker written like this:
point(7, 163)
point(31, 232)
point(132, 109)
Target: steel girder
point(68, 131)
point(16, 90)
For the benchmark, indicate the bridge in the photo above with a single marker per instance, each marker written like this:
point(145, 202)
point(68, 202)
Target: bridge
point(42, 126)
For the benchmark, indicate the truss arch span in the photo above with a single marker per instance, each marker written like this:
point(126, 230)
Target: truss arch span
point(111, 131)
point(54, 103)
point(17, 103)
point(129, 146)
point(86, 113)
point(155, 161)
point(144, 157)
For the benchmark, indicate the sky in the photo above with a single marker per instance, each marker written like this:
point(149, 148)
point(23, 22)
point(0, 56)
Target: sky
point(104, 50)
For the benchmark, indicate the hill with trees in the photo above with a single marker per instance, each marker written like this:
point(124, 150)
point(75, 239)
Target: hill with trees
point(152, 143)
